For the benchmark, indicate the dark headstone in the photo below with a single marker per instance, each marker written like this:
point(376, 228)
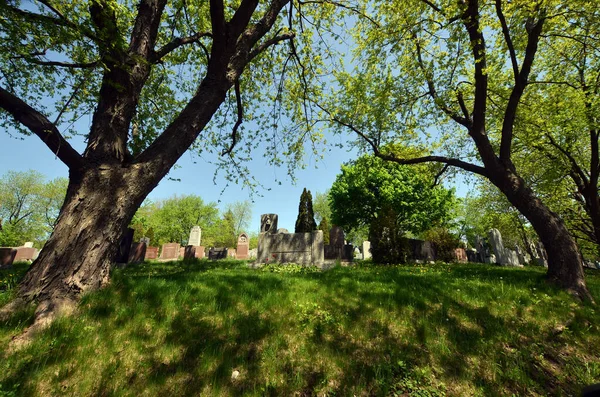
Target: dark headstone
point(336, 237)
point(125, 246)
point(243, 247)
point(137, 253)
point(472, 256)
point(193, 251)
point(7, 257)
point(348, 252)
point(268, 223)
point(217, 253)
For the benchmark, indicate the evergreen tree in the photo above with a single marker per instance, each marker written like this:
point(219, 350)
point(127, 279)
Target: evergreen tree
point(324, 226)
point(306, 218)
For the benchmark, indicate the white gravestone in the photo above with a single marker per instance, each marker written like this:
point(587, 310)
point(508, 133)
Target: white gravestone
point(195, 235)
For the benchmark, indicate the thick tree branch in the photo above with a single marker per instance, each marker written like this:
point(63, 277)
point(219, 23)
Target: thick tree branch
point(176, 43)
point(217, 20)
point(507, 38)
point(534, 29)
point(42, 127)
point(425, 159)
point(241, 18)
point(224, 67)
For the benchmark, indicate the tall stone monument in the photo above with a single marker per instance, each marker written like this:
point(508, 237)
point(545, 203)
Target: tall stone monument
point(505, 256)
point(195, 236)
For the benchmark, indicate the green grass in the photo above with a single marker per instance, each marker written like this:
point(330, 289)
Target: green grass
point(422, 330)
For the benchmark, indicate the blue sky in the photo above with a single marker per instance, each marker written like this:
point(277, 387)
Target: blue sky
point(196, 177)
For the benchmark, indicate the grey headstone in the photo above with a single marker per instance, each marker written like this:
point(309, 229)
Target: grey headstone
point(282, 230)
point(195, 236)
point(145, 240)
point(497, 245)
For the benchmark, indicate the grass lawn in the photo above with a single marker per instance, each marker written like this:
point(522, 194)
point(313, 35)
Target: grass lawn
point(423, 330)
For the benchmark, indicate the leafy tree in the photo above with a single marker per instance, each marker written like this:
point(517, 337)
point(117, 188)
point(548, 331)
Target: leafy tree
point(241, 213)
point(368, 185)
point(461, 70)
point(306, 219)
point(225, 233)
point(153, 74)
point(388, 244)
point(321, 206)
point(172, 219)
point(29, 207)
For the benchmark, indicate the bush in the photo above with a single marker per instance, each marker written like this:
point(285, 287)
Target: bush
point(388, 244)
point(444, 241)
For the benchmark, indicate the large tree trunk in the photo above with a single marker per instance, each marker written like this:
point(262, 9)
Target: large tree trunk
point(77, 257)
point(565, 263)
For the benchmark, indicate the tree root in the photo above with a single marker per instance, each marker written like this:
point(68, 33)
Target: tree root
point(46, 312)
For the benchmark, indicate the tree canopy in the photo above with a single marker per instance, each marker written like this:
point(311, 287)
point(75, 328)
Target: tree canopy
point(170, 220)
point(29, 207)
point(369, 186)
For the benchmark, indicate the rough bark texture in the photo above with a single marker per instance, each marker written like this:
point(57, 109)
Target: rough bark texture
point(99, 205)
point(565, 263)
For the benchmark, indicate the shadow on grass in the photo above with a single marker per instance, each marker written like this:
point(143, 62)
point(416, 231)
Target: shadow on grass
point(220, 320)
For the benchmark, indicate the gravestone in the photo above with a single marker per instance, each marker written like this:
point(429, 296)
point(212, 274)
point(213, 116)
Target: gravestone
point(145, 240)
point(504, 256)
point(151, 253)
point(24, 254)
point(366, 246)
point(253, 253)
point(137, 253)
point(300, 248)
point(282, 230)
point(461, 255)
point(336, 237)
point(195, 235)
point(7, 257)
point(497, 245)
point(28, 244)
point(543, 256)
point(268, 223)
point(217, 253)
point(357, 253)
point(193, 251)
point(125, 246)
point(169, 251)
point(421, 251)
point(511, 258)
point(472, 255)
point(243, 247)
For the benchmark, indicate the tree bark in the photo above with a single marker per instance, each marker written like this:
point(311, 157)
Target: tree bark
point(565, 263)
point(77, 258)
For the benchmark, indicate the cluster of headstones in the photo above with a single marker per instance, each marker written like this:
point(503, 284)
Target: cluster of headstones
point(499, 254)
point(130, 252)
point(9, 255)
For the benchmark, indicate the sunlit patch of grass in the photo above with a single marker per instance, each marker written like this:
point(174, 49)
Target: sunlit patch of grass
point(184, 328)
